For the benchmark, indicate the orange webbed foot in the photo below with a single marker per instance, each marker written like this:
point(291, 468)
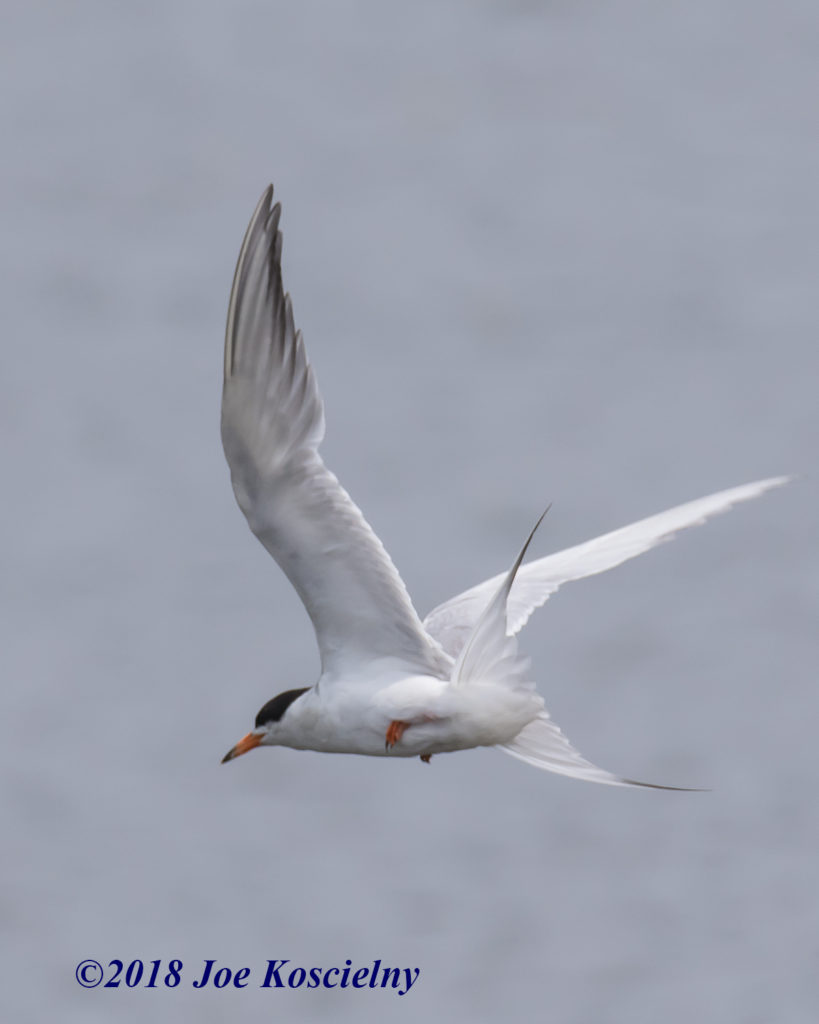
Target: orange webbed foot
point(395, 731)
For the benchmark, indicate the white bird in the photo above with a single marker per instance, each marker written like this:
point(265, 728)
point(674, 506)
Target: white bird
point(390, 684)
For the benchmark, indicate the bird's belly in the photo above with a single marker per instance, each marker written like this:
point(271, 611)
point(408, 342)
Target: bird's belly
point(439, 718)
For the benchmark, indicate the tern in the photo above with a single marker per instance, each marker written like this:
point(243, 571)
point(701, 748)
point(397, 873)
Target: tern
point(391, 685)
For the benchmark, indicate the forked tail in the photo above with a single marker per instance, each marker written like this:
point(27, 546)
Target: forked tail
point(542, 744)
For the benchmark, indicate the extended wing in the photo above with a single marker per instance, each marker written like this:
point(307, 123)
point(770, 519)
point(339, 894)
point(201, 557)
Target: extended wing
point(451, 622)
point(272, 425)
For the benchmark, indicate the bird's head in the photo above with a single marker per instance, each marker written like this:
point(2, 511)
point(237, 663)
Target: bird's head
point(269, 727)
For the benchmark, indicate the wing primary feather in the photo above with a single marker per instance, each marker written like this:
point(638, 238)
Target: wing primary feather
point(272, 425)
point(253, 229)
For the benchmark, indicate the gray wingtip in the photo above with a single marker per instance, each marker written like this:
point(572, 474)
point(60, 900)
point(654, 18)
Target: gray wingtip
point(273, 217)
point(262, 210)
point(266, 196)
point(513, 571)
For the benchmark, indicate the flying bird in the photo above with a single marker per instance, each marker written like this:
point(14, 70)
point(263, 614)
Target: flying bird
point(391, 685)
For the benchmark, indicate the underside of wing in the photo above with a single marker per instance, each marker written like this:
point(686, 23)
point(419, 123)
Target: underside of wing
point(272, 425)
point(452, 622)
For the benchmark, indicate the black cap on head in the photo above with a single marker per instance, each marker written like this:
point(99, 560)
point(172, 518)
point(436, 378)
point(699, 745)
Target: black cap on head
point(274, 709)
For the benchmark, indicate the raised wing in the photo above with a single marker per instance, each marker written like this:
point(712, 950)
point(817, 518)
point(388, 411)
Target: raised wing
point(272, 425)
point(451, 623)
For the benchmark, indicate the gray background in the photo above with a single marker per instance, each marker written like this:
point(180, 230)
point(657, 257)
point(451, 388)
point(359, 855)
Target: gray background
point(539, 251)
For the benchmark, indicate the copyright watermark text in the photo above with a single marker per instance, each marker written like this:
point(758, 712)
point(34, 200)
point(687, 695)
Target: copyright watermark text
point(272, 974)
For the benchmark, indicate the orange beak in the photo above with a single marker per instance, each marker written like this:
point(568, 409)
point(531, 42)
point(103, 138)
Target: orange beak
point(253, 739)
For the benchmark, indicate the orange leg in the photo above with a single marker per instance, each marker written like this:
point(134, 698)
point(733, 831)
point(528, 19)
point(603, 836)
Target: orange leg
point(395, 731)
point(425, 757)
